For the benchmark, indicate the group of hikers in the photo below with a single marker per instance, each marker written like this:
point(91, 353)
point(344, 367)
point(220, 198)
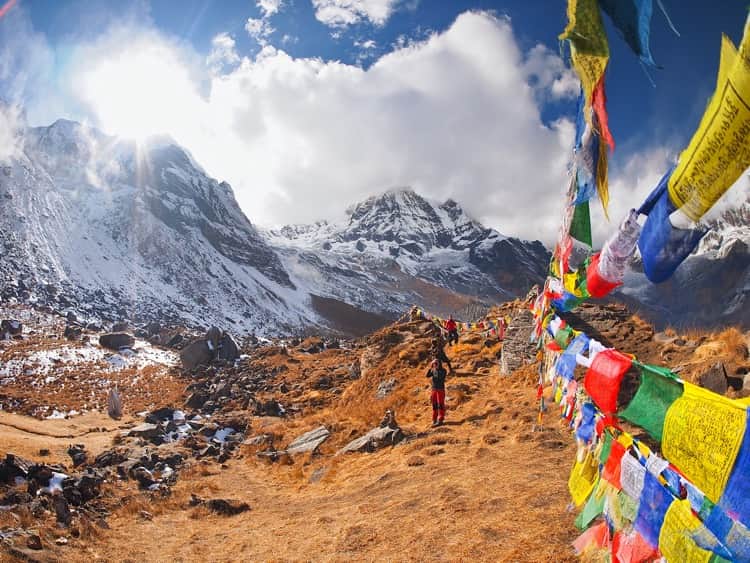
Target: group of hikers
point(437, 373)
point(447, 334)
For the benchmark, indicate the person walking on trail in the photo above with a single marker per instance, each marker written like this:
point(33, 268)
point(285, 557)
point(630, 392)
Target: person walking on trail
point(437, 375)
point(438, 353)
point(452, 328)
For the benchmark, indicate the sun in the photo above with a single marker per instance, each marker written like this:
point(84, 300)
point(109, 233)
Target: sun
point(142, 91)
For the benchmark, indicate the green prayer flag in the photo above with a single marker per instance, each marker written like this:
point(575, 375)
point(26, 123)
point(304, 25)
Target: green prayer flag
point(580, 226)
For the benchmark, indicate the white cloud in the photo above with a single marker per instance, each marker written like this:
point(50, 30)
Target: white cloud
point(299, 139)
point(342, 13)
point(549, 75)
point(259, 29)
point(366, 45)
point(223, 53)
point(269, 7)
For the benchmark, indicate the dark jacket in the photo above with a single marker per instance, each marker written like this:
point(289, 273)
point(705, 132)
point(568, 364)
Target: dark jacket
point(437, 375)
point(439, 354)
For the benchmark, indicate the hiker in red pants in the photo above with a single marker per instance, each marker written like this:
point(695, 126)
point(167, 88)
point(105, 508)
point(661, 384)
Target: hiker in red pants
point(452, 329)
point(437, 374)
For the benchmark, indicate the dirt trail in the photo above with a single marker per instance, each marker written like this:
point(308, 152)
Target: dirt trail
point(26, 436)
point(483, 488)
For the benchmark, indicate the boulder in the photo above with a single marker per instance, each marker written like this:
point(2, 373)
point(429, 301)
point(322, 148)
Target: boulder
point(196, 400)
point(715, 379)
point(116, 340)
point(375, 439)
point(72, 332)
point(228, 349)
point(78, 454)
point(145, 430)
point(11, 327)
point(309, 441)
point(213, 336)
point(121, 326)
point(114, 404)
point(385, 388)
point(196, 353)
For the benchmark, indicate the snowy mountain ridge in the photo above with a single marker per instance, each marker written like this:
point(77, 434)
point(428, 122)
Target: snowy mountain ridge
point(114, 230)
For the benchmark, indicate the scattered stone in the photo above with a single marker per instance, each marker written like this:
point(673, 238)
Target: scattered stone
point(61, 541)
point(260, 440)
point(114, 404)
point(34, 542)
point(196, 400)
point(227, 507)
point(72, 332)
point(11, 327)
point(355, 371)
point(146, 515)
point(71, 317)
point(309, 441)
point(144, 477)
point(62, 511)
point(385, 388)
point(195, 354)
point(116, 340)
point(715, 379)
point(121, 326)
point(270, 408)
point(228, 350)
point(44, 452)
point(213, 336)
point(374, 440)
point(78, 454)
point(145, 430)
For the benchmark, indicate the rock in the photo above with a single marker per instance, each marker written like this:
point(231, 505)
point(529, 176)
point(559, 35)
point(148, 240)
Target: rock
point(323, 382)
point(145, 430)
point(375, 439)
point(175, 341)
point(312, 345)
point(260, 440)
point(116, 340)
point(355, 372)
point(517, 347)
point(196, 353)
point(228, 349)
point(222, 506)
point(62, 512)
point(144, 477)
point(72, 332)
point(11, 327)
point(196, 400)
point(61, 541)
point(309, 441)
point(34, 542)
point(385, 388)
point(153, 328)
point(109, 458)
point(114, 404)
point(160, 415)
point(78, 454)
point(213, 336)
point(715, 379)
point(121, 326)
point(71, 317)
point(13, 466)
point(270, 408)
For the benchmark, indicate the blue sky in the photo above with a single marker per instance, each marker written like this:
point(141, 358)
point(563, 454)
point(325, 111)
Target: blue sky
point(650, 122)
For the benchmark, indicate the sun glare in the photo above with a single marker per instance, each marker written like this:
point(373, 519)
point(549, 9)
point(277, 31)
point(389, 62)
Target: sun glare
point(140, 92)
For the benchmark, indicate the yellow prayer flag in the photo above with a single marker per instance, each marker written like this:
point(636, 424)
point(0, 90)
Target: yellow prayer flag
point(583, 478)
point(602, 177)
point(719, 151)
point(703, 432)
point(675, 538)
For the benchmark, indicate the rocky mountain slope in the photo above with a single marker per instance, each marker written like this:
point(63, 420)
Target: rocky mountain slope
point(711, 288)
point(398, 248)
point(114, 230)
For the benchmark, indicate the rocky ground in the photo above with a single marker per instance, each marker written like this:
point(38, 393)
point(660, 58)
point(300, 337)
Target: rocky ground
point(288, 450)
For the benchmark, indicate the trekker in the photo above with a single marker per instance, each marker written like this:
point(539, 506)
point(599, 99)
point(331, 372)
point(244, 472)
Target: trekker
point(452, 328)
point(438, 353)
point(437, 374)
